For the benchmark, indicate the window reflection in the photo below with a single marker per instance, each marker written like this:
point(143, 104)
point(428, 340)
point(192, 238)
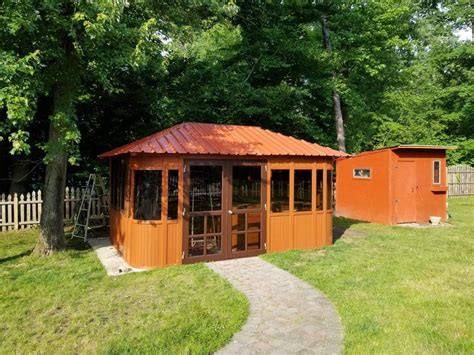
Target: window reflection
point(246, 184)
point(329, 189)
point(303, 190)
point(319, 189)
point(173, 194)
point(147, 202)
point(206, 188)
point(280, 190)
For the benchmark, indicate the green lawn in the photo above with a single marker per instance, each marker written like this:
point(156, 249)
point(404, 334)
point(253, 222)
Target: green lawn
point(398, 290)
point(67, 304)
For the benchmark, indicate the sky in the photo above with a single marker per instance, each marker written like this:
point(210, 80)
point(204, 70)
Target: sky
point(464, 34)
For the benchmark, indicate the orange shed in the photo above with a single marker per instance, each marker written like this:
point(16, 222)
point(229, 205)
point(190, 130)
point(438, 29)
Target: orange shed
point(401, 184)
point(203, 192)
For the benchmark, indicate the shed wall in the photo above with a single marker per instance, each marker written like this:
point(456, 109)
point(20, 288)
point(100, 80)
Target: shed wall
point(430, 198)
point(364, 199)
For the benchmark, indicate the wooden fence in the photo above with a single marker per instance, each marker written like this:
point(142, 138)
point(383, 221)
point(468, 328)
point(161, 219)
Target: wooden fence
point(24, 211)
point(460, 180)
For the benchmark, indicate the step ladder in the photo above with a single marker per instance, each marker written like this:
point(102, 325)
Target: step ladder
point(94, 190)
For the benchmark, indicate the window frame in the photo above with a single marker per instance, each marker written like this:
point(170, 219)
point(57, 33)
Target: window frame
point(290, 179)
point(322, 192)
point(132, 204)
point(118, 183)
point(312, 172)
point(329, 200)
point(168, 194)
point(362, 177)
point(433, 172)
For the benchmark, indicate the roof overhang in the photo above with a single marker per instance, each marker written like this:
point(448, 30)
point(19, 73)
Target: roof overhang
point(401, 147)
point(422, 146)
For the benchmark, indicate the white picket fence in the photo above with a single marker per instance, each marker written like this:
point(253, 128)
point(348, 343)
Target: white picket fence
point(24, 211)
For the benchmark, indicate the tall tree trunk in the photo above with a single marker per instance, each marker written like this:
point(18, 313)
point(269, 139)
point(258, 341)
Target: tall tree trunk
point(336, 100)
point(51, 237)
point(65, 88)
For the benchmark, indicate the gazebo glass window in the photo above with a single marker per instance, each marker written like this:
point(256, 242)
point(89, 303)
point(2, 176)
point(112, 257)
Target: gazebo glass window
point(173, 177)
point(329, 189)
point(319, 189)
point(147, 197)
point(280, 190)
point(303, 190)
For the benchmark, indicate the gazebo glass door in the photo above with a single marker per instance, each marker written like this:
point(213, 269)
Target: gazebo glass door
point(246, 210)
point(224, 210)
point(205, 211)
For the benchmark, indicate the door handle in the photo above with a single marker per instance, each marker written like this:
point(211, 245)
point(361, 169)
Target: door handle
point(230, 212)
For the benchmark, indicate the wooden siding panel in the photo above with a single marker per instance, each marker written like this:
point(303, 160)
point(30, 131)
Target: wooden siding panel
point(329, 237)
point(279, 236)
point(364, 199)
point(321, 229)
point(146, 245)
point(173, 244)
point(304, 233)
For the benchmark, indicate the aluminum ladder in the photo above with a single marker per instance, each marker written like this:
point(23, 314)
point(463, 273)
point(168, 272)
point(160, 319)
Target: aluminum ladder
point(94, 189)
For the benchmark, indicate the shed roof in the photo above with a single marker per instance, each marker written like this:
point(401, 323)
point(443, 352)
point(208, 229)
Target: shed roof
point(402, 147)
point(216, 139)
point(422, 146)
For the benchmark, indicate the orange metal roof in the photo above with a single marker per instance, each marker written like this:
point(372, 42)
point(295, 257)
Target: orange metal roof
point(215, 139)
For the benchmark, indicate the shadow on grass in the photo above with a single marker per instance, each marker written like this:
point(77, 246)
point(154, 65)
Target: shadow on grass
point(342, 226)
point(79, 244)
point(17, 256)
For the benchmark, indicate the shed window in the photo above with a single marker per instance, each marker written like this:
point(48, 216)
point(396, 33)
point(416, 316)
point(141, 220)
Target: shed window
point(319, 190)
point(436, 172)
point(303, 189)
point(362, 173)
point(147, 204)
point(329, 189)
point(173, 194)
point(118, 178)
point(280, 190)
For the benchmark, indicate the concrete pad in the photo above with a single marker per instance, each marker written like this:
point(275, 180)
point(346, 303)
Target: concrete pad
point(424, 225)
point(110, 258)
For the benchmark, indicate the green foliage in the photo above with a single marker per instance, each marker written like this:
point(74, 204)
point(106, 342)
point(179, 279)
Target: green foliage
point(52, 48)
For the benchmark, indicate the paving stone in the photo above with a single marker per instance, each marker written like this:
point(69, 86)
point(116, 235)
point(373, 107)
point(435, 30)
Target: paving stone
point(287, 315)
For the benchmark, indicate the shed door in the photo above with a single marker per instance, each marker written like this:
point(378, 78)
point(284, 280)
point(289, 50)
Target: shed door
point(405, 192)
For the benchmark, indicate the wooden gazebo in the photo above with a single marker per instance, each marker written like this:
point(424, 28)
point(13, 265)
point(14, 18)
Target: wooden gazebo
point(204, 192)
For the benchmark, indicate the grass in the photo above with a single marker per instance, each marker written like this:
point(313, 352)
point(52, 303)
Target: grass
point(398, 290)
point(67, 304)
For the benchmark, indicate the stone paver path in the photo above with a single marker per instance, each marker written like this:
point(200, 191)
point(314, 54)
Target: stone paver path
point(287, 315)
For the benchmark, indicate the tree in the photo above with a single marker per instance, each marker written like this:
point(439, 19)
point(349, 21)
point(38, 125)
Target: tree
point(52, 49)
point(339, 119)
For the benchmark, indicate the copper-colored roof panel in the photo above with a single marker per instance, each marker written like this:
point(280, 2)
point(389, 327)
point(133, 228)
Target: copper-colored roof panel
point(207, 138)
